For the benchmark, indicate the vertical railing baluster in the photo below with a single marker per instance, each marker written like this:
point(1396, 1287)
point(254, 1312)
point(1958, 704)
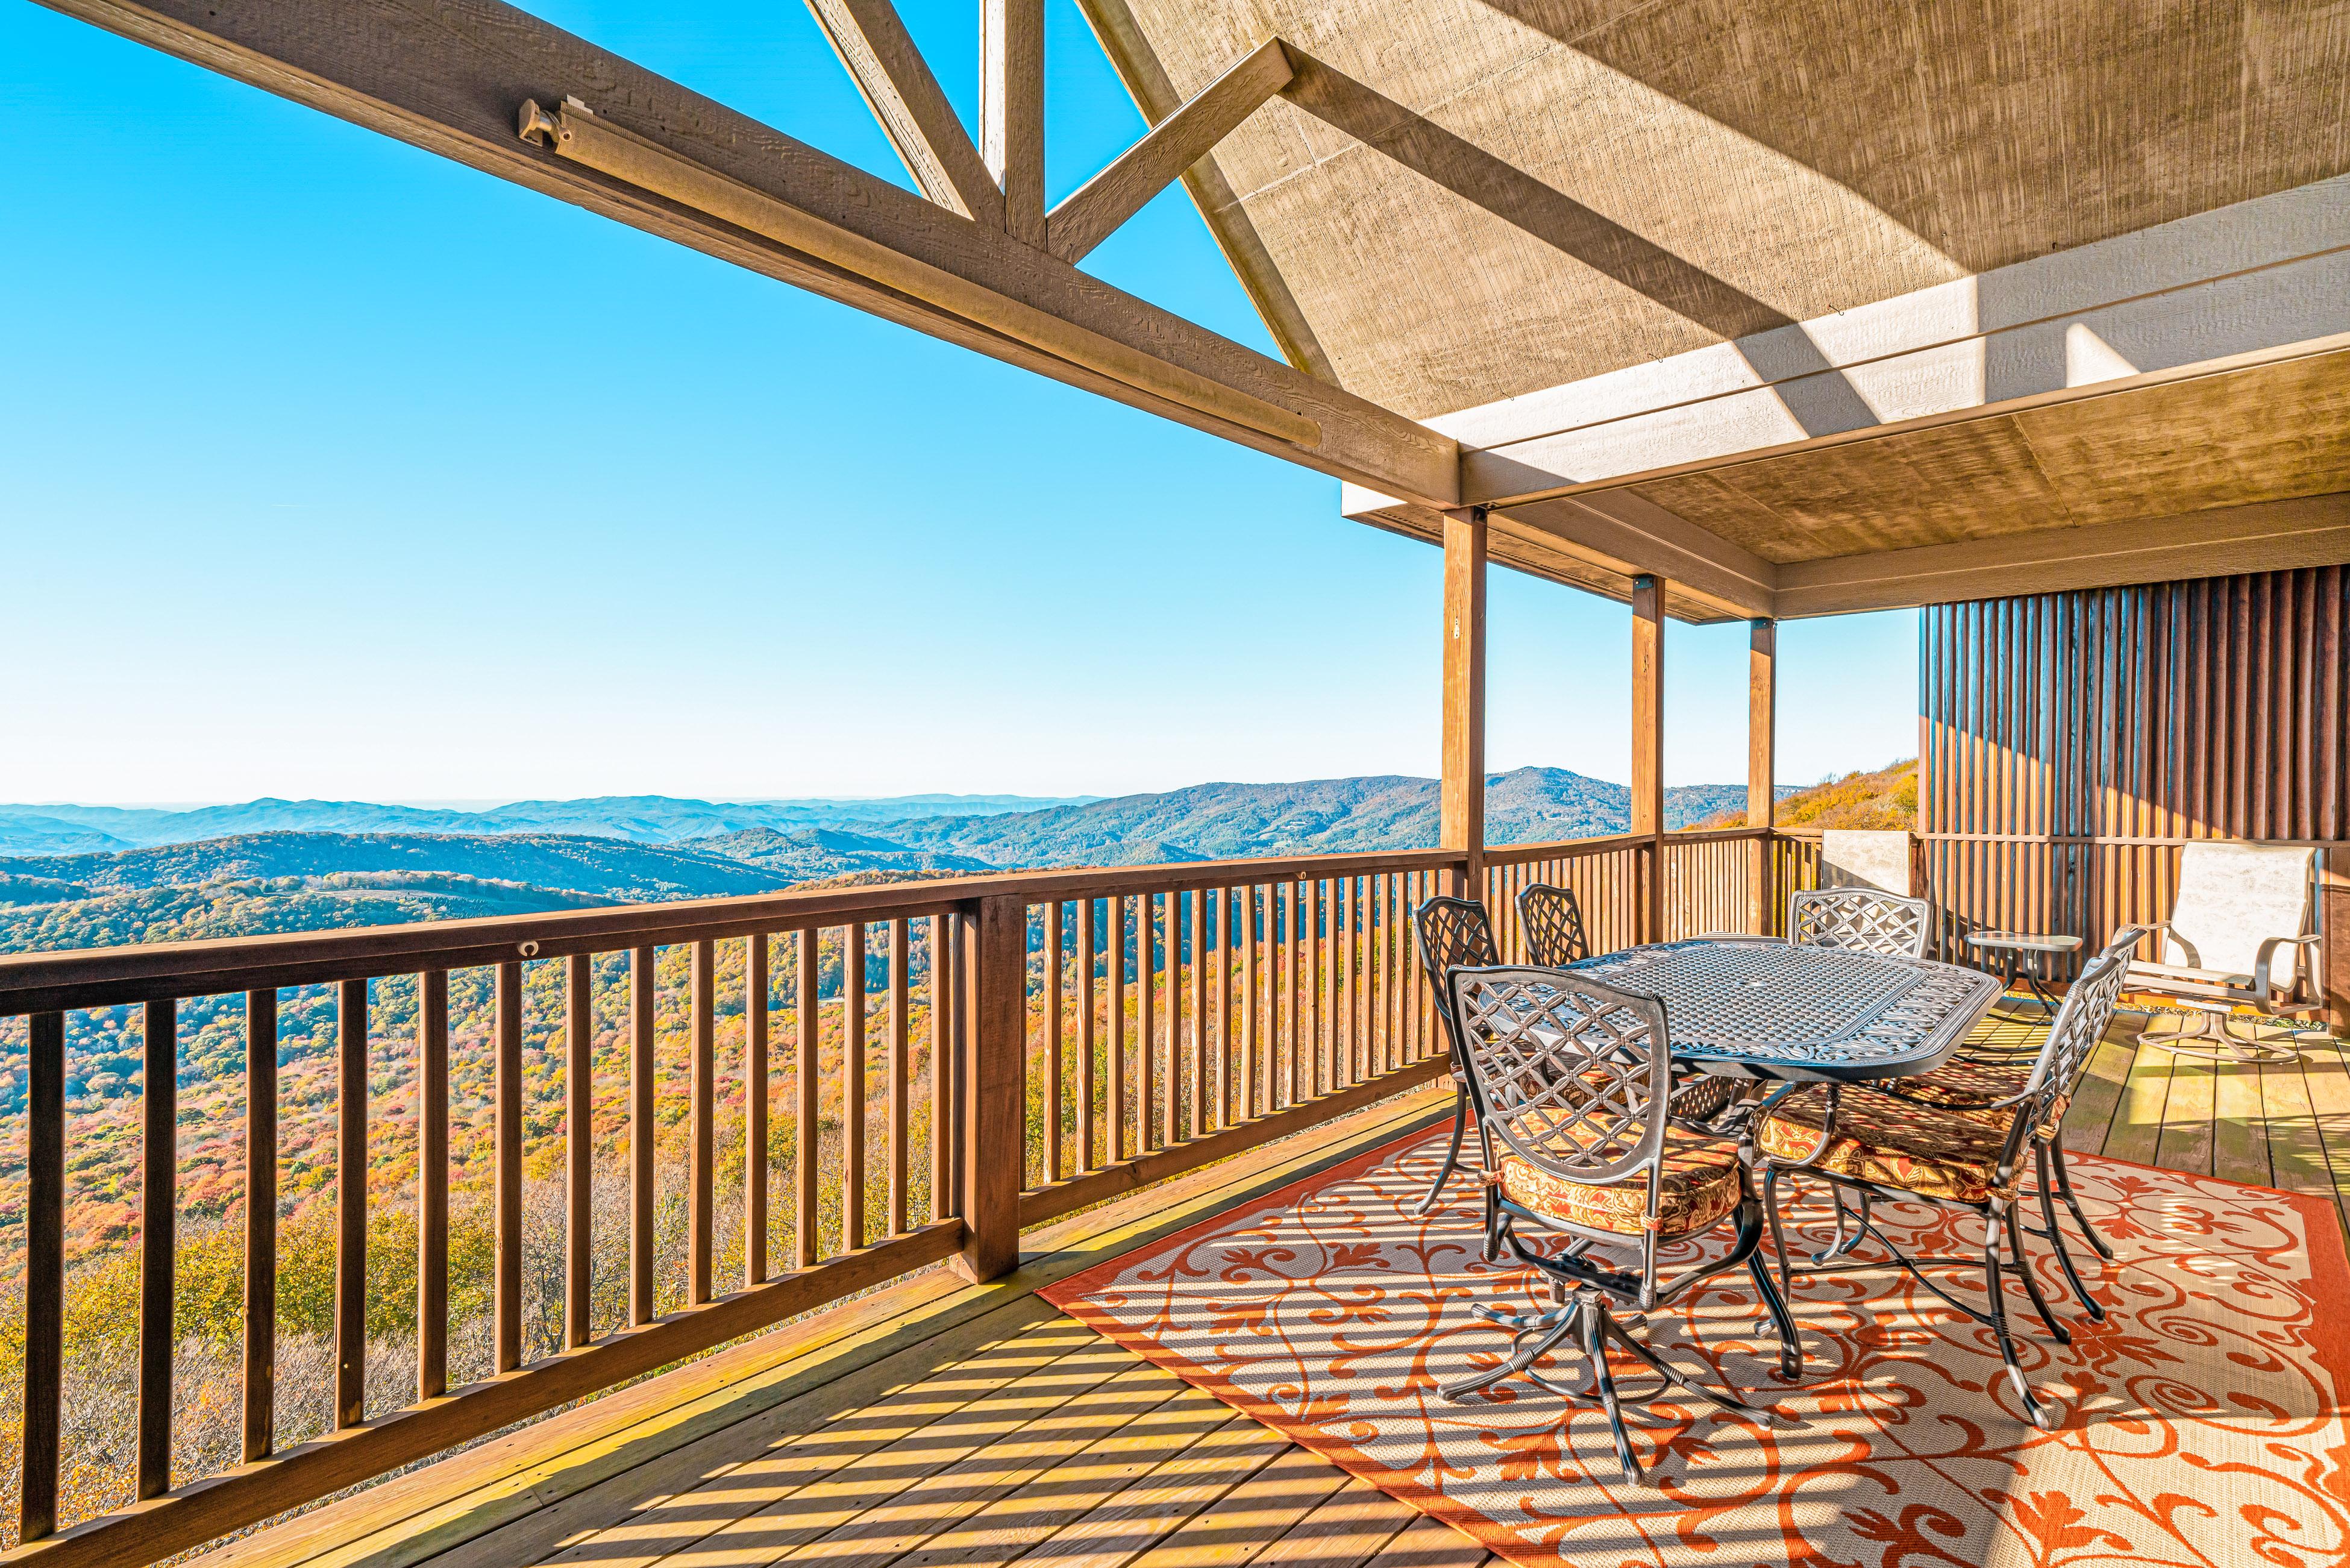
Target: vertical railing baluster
point(644, 997)
point(1114, 913)
point(1221, 941)
point(941, 1070)
point(350, 1202)
point(506, 1241)
point(852, 1086)
point(754, 1108)
point(1155, 950)
point(432, 1183)
point(1251, 1006)
point(260, 1368)
point(44, 1276)
point(1088, 1141)
point(159, 1225)
point(806, 1109)
point(1051, 1020)
point(701, 1123)
point(578, 1146)
point(1201, 1082)
point(1325, 1011)
point(1146, 1025)
point(901, 961)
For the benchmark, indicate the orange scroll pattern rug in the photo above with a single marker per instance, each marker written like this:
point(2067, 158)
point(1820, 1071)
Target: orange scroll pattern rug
point(2203, 1424)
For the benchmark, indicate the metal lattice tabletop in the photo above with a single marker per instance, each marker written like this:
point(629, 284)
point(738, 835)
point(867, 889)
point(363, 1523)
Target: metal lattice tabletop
point(1762, 1009)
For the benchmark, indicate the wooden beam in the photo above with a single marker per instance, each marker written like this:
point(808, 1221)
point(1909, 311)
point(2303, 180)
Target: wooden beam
point(1139, 66)
point(2268, 535)
point(1492, 478)
point(1096, 208)
point(450, 75)
point(882, 59)
point(1762, 768)
point(1629, 534)
point(1648, 745)
point(1012, 111)
point(1462, 816)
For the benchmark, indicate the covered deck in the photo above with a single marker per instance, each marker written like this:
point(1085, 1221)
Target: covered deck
point(1726, 314)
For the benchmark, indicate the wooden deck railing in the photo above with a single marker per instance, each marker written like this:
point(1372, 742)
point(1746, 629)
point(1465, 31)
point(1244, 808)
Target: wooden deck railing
point(1121, 1024)
point(1039, 1042)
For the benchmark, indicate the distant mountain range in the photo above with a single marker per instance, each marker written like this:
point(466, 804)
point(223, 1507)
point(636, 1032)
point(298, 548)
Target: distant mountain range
point(642, 819)
point(74, 876)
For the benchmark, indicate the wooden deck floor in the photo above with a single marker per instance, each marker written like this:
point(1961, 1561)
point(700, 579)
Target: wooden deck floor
point(935, 1424)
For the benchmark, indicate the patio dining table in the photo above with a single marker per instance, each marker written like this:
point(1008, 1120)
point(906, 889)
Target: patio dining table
point(1754, 1007)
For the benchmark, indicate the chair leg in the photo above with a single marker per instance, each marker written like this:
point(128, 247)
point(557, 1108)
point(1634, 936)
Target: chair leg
point(1451, 1151)
point(1844, 1244)
point(1674, 1374)
point(2094, 1307)
point(1519, 1360)
point(2064, 1190)
point(1791, 1339)
point(1594, 1321)
point(2013, 1224)
point(1778, 1232)
point(2039, 1414)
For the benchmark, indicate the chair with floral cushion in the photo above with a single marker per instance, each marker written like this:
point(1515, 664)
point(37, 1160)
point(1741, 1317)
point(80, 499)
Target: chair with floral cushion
point(1554, 925)
point(1945, 1145)
point(1569, 1081)
point(1452, 932)
point(1985, 1070)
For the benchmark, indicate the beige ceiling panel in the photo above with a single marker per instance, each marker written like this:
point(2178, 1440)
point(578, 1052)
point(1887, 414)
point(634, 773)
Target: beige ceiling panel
point(2269, 434)
point(1772, 159)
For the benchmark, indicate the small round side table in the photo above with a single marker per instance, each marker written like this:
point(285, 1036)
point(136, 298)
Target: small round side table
point(2025, 955)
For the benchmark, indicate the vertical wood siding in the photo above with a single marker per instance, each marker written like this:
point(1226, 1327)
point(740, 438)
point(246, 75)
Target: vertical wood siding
point(2073, 742)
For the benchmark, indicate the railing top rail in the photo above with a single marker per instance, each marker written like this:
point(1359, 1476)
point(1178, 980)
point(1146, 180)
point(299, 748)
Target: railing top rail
point(1575, 848)
point(106, 977)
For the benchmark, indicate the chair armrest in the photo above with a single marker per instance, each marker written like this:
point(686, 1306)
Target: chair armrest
point(2261, 960)
point(2162, 928)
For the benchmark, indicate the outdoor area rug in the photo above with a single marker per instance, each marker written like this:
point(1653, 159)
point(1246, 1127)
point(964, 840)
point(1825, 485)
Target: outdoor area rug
point(2203, 1422)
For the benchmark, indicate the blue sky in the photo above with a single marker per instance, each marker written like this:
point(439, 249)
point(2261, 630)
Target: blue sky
point(336, 469)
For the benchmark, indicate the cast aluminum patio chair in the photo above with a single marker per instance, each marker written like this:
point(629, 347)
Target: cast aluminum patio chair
point(1893, 1142)
point(2238, 908)
point(1453, 932)
point(1862, 918)
point(1554, 925)
point(1985, 1070)
point(1568, 1080)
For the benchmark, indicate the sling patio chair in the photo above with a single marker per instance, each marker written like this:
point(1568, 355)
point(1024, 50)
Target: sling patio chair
point(1452, 932)
point(1894, 1142)
point(2239, 908)
point(1568, 1080)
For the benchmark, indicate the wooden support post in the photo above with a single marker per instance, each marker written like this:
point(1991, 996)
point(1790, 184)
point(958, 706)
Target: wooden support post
point(1762, 798)
point(1012, 111)
point(1649, 747)
point(993, 1084)
point(1462, 825)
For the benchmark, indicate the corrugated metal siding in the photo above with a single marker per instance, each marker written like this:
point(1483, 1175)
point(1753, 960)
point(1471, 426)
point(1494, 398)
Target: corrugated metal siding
point(2072, 742)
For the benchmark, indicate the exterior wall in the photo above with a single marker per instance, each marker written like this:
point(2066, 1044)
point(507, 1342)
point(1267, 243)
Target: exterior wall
point(2070, 743)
